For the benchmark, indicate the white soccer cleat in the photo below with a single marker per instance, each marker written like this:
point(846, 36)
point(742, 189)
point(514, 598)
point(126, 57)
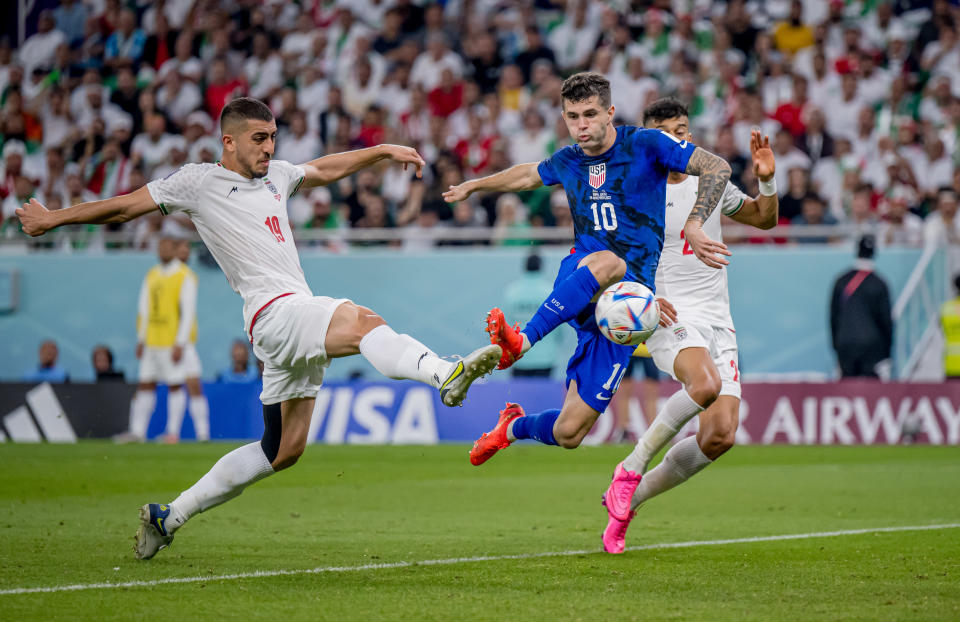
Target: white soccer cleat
point(152, 534)
point(482, 361)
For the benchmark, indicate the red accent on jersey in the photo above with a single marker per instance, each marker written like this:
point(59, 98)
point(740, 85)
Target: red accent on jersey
point(257, 314)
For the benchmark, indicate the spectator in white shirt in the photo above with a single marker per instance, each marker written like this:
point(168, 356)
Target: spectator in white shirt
point(40, 48)
point(938, 169)
point(360, 89)
point(264, 69)
point(788, 157)
point(184, 62)
point(573, 41)
point(899, 226)
point(630, 89)
point(298, 43)
point(942, 226)
point(297, 143)
point(178, 97)
point(942, 57)
point(530, 145)
point(437, 57)
point(845, 108)
point(152, 147)
point(874, 83)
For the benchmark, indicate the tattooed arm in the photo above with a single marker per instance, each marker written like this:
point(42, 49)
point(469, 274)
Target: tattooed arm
point(713, 172)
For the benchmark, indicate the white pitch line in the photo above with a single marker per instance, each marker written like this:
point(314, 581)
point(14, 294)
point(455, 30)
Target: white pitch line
point(463, 560)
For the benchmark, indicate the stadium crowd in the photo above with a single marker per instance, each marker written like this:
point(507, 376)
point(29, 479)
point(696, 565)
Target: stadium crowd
point(861, 99)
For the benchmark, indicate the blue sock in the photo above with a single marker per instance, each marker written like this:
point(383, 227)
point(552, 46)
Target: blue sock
point(565, 302)
point(538, 427)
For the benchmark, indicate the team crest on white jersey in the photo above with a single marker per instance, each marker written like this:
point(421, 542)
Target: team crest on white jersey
point(598, 175)
point(272, 188)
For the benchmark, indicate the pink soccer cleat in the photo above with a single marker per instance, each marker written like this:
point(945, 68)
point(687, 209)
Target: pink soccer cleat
point(617, 500)
point(620, 493)
point(615, 535)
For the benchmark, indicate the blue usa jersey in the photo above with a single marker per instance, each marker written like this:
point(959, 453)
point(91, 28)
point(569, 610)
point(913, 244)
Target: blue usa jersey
point(618, 198)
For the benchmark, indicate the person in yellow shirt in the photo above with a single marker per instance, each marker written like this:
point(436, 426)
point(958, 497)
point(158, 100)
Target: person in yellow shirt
point(793, 34)
point(166, 332)
point(950, 321)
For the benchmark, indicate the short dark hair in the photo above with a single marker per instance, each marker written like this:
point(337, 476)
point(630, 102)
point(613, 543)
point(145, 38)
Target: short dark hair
point(244, 108)
point(584, 85)
point(946, 190)
point(663, 109)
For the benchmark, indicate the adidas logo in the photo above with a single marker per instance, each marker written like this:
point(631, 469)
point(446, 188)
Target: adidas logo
point(41, 418)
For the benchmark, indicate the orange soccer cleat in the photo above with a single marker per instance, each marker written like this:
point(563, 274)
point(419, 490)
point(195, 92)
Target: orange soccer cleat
point(506, 336)
point(496, 439)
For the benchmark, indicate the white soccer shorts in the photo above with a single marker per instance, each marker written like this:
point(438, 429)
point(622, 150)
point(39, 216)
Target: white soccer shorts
point(157, 365)
point(667, 342)
point(288, 336)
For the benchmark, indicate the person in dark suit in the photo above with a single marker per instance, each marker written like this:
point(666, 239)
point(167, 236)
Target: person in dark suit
point(861, 322)
point(815, 141)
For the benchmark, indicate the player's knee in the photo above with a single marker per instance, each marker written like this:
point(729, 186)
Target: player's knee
point(287, 457)
point(364, 320)
point(704, 391)
point(719, 438)
point(367, 320)
point(607, 268)
point(568, 436)
point(290, 450)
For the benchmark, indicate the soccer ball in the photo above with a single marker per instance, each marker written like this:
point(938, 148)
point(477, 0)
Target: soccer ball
point(627, 313)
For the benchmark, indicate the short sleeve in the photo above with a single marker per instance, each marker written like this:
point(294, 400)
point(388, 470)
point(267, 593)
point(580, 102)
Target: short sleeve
point(547, 170)
point(179, 190)
point(290, 176)
point(732, 200)
point(667, 150)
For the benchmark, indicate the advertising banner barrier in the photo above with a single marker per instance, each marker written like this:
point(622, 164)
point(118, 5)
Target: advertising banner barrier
point(838, 413)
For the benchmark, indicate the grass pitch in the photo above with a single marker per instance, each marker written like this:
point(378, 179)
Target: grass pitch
point(68, 513)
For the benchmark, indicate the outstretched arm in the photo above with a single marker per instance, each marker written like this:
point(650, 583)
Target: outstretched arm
point(714, 172)
point(37, 220)
point(515, 179)
point(330, 168)
point(763, 211)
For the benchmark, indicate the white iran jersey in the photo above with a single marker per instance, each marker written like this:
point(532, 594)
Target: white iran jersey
point(244, 224)
point(698, 291)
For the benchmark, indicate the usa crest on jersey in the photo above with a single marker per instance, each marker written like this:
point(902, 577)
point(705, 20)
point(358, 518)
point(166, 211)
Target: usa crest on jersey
point(598, 175)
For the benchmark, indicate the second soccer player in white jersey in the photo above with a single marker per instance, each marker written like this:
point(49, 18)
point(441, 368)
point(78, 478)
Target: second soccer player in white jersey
point(239, 207)
point(699, 347)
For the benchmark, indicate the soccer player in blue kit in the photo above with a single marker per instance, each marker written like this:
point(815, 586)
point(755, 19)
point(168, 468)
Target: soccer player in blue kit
point(615, 181)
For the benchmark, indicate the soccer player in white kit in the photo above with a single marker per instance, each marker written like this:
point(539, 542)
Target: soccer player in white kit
point(239, 206)
point(699, 347)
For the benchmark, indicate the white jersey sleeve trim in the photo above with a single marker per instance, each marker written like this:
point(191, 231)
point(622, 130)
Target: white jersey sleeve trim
point(732, 200)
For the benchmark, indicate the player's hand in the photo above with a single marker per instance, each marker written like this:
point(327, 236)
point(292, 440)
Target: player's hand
point(763, 163)
point(668, 314)
point(457, 193)
point(406, 156)
point(34, 218)
point(139, 351)
point(176, 353)
point(706, 250)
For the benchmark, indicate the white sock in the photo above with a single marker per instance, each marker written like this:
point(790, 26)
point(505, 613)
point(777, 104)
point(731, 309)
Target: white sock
point(176, 405)
point(403, 357)
point(141, 407)
point(679, 409)
point(227, 479)
point(683, 461)
point(200, 413)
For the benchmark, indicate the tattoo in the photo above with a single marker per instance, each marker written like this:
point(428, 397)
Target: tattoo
point(714, 172)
